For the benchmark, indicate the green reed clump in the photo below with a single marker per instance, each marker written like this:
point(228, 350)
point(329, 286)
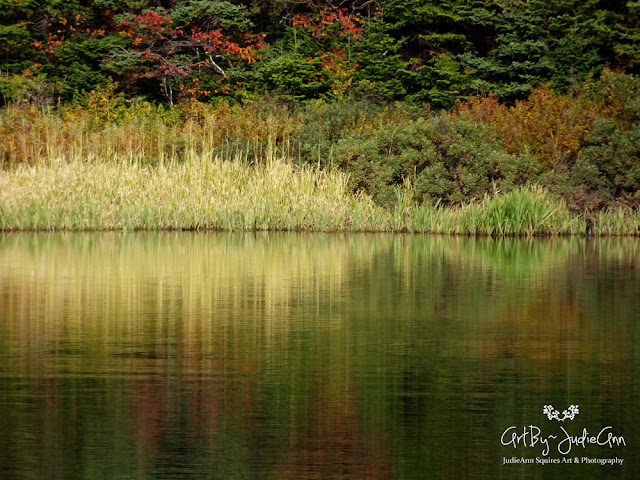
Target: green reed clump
point(616, 221)
point(526, 211)
point(523, 212)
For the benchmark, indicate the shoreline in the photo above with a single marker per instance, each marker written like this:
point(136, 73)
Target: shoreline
point(206, 193)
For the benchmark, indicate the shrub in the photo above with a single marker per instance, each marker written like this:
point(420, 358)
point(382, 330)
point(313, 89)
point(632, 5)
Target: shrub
point(608, 168)
point(379, 146)
point(549, 126)
point(469, 162)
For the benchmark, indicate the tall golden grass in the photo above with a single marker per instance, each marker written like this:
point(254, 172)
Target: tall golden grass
point(199, 193)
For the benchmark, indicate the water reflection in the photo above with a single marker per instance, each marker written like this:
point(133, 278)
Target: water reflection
point(288, 356)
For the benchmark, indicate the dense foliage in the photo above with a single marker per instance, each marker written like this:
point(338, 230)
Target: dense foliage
point(433, 52)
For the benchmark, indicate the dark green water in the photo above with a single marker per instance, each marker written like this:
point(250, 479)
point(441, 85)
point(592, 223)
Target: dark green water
point(285, 356)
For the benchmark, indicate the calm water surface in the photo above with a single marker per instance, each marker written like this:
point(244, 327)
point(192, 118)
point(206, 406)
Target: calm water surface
point(286, 356)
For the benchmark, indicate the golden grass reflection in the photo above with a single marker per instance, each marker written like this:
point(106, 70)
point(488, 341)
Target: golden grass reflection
point(300, 353)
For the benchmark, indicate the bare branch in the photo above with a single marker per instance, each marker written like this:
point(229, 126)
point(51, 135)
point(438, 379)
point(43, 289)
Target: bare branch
point(216, 66)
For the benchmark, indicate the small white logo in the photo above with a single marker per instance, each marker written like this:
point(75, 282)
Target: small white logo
point(553, 414)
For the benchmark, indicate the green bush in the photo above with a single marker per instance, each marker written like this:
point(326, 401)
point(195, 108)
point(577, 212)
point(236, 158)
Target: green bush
point(454, 161)
point(468, 163)
point(325, 124)
point(608, 168)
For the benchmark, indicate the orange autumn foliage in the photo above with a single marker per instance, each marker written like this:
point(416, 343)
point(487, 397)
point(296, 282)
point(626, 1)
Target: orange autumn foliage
point(548, 125)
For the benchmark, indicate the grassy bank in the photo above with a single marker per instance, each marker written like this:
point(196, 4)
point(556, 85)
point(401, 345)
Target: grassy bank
point(113, 166)
point(209, 193)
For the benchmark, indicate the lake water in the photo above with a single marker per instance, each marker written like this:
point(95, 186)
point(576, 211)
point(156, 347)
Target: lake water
point(294, 356)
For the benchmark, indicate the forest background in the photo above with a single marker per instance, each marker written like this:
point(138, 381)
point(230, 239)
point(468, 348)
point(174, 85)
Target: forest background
point(451, 100)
